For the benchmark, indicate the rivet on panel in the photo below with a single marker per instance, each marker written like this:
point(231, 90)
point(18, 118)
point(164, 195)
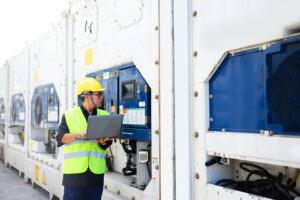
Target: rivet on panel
point(196, 134)
point(156, 28)
point(223, 130)
point(194, 13)
point(211, 119)
point(210, 96)
point(156, 132)
point(156, 167)
point(195, 94)
point(156, 62)
point(195, 53)
point(156, 96)
point(196, 176)
point(105, 186)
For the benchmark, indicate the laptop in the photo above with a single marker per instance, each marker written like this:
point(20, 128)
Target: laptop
point(103, 126)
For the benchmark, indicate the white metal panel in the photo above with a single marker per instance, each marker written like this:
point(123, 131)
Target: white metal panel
point(18, 72)
point(167, 108)
point(219, 26)
point(183, 104)
point(46, 177)
point(16, 158)
point(278, 150)
point(128, 12)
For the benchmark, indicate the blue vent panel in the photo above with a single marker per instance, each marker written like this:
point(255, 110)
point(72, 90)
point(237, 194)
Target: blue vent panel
point(255, 90)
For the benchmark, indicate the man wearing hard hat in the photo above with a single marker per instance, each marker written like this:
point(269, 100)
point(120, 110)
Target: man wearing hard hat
point(84, 160)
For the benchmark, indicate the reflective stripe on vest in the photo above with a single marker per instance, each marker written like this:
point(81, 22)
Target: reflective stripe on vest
point(80, 155)
point(84, 154)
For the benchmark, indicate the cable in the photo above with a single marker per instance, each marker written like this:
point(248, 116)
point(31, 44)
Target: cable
point(294, 178)
point(148, 169)
point(110, 160)
point(268, 185)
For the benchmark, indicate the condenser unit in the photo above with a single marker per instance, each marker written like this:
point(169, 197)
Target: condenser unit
point(45, 107)
point(257, 89)
point(17, 110)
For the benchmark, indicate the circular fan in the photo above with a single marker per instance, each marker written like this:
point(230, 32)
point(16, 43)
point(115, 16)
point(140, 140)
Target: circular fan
point(38, 110)
point(14, 112)
point(284, 92)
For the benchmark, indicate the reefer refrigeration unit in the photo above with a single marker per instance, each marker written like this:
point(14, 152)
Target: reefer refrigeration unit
point(117, 43)
point(244, 84)
point(48, 99)
point(16, 154)
point(3, 108)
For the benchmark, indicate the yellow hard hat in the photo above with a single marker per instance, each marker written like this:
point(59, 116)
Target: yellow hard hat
point(89, 85)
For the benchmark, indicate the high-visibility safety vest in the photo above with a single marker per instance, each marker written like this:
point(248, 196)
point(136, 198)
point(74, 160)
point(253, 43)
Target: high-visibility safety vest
point(81, 154)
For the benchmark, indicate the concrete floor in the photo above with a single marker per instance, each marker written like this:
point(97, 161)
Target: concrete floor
point(12, 187)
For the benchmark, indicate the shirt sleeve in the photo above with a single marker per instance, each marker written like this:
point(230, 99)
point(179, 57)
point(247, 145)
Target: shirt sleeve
point(63, 129)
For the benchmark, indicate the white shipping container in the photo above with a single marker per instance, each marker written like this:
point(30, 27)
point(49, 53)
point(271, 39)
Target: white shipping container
point(218, 27)
point(176, 46)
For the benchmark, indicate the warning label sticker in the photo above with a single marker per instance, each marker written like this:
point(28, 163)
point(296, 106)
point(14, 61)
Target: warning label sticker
point(37, 173)
point(21, 115)
point(52, 116)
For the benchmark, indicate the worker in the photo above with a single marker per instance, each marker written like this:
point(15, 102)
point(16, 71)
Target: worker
point(84, 161)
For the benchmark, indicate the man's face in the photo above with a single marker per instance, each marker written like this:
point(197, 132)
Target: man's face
point(98, 98)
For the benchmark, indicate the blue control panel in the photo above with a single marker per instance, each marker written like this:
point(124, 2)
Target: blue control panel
point(127, 93)
point(45, 107)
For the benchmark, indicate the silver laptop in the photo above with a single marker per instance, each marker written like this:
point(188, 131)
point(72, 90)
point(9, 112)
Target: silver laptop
point(103, 126)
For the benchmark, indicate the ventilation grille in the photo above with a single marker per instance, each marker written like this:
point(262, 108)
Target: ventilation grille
point(283, 87)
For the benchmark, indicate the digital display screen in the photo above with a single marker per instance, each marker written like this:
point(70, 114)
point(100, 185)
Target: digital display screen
point(128, 91)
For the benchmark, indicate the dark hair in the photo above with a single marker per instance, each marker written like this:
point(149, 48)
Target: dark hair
point(81, 96)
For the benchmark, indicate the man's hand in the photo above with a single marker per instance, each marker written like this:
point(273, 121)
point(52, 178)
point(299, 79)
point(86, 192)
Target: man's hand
point(103, 141)
point(81, 134)
point(68, 138)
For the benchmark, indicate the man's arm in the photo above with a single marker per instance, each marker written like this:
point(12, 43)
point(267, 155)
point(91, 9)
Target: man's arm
point(68, 138)
point(64, 137)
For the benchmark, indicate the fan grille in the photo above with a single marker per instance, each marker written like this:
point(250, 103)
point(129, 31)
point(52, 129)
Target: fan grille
point(284, 88)
point(38, 110)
